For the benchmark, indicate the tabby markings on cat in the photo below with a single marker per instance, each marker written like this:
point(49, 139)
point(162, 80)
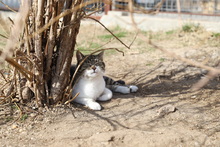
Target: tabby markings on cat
point(92, 85)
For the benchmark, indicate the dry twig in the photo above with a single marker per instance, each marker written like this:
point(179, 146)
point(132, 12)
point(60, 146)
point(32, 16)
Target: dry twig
point(7, 6)
point(128, 47)
point(201, 83)
point(3, 76)
point(16, 30)
point(20, 114)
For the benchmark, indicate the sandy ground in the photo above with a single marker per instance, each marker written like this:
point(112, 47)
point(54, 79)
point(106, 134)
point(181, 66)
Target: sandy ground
point(138, 119)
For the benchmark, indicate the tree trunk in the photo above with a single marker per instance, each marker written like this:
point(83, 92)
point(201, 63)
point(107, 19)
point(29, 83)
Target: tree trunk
point(67, 42)
point(38, 47)
point(52, 49)
point(42, 41)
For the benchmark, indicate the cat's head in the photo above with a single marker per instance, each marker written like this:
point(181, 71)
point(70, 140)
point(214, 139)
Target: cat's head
point(93, 66)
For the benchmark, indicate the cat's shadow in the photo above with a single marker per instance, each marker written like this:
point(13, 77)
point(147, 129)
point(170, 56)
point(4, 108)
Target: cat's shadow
point(119, 96)
point(124, 96)
point(173, 85)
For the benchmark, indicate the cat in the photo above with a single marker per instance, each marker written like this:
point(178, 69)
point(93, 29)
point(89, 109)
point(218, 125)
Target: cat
point(92, 85)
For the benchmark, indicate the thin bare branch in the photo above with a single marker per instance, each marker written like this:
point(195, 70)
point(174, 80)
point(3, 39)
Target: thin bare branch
point(69, 101)
point(3, 36)
point(20, 68)
point(12, 22)
point(20, 113)
point(133, 39)
point(29, 75)
point(61, 15)
point(128, 47)
point(3, 76)
point(5, 84)
point(185, 60)
point(201, 83)
point(9, 8)
point(16, 30)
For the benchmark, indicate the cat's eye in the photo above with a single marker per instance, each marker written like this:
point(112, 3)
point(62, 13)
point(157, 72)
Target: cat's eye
point(96, 60)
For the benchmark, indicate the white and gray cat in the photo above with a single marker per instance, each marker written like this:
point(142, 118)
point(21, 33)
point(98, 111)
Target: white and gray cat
point(92, 85)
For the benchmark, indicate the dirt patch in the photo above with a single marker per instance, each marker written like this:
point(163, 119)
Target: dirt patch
point(134, 119)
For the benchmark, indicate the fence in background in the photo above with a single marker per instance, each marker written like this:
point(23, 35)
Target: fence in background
point(204, 7)
point(211, 7)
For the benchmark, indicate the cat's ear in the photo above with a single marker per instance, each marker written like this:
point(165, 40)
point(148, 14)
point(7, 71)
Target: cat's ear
point(100, 55)
point(79, 56)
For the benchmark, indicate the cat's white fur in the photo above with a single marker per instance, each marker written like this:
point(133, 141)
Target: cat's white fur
point(91, 87)
point(126, 89)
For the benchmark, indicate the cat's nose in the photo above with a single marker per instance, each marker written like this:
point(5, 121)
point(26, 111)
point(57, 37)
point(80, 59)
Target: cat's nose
point(93, 67)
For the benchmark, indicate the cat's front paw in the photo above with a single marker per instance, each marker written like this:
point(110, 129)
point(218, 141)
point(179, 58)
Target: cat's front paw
point(94, 106)
point(133, 88)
